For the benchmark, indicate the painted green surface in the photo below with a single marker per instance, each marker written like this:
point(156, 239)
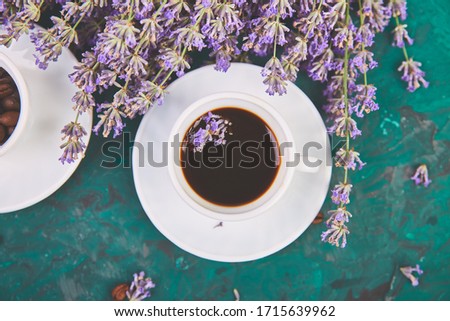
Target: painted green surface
point(93, 234)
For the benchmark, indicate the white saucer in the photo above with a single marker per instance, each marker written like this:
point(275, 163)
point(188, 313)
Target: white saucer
point(234, 241)
point(30, 171)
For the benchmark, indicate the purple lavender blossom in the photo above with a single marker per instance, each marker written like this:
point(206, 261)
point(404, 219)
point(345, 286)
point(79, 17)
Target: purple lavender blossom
point(376, 13)
point(413, 75)
point(408, 272)
point(338, 216)
point(293, 56)
point(364, 102)
point(208, 128)
point(345, 124)
point(400, 36)
point(84, 100)
point(223, 60)
point(85, 76)
point(363, 61)
point(324, 63)
point(172, 59)
point(336, 234)
point(348, 159)
point(344, 36)
point(72, 149)
point(274, 77)
point(365, 35)
point(341, 193)
point(421, 176)
point(73, 146)
point(110, 120)
point(397, 8)
point(147, 96)
point(140, 287)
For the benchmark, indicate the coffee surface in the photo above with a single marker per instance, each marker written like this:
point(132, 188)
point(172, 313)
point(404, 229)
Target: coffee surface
point(239, 171)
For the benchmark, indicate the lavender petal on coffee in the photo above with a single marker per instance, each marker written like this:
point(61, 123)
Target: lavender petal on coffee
point(208, 128)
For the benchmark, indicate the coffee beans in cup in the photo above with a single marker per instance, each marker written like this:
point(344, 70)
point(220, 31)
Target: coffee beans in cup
point(9, 106)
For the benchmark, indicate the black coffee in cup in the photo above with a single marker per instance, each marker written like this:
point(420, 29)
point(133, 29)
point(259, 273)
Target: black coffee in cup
point(230, 157)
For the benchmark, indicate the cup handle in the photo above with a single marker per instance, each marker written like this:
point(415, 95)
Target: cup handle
point(306, 164)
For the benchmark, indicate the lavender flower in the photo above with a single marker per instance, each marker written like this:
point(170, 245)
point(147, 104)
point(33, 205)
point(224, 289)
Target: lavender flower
point(338, 216)
point(363, 61)
point(400, 36)
point(73, 146)
point(344, 125)
point(421, 176)
point(413, 75)
point(275, 77)
point(336, 234)
point(208, 128)
point(408, 272)
point(365, 35)
point(110, 119)
point(140, 287)
point(397, 8)
point(293, 56)
point(172, 59)
point(341, 193)
point(364, 101)
point(324, 63)
point(377, 14)
point(86, 76)
point(348, 159)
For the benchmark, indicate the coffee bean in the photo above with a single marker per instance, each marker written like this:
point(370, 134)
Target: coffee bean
point(6, 90)
point(6, 79)
point(319, 218)
point(10, 103)
point(2, 134)
point(9, 119)
point(10, 130)
point(119, 293)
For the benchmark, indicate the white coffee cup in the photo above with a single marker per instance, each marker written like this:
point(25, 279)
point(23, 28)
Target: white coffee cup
point(16, 75)
point(284, 138)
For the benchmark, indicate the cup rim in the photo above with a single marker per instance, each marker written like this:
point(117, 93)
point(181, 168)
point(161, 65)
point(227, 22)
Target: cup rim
point(22, 89)
point(277, 188)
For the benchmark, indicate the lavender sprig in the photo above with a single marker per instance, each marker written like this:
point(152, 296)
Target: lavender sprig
point(121, 53)
point(421, 176)
point(337, 231)
point(412, 73)
point(408, 272)
point(74, 145)
point(208, 128)
point(140, 287)
point(269, 30)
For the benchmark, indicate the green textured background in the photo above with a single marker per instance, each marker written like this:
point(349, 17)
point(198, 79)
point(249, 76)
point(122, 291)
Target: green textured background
point(93, 233)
